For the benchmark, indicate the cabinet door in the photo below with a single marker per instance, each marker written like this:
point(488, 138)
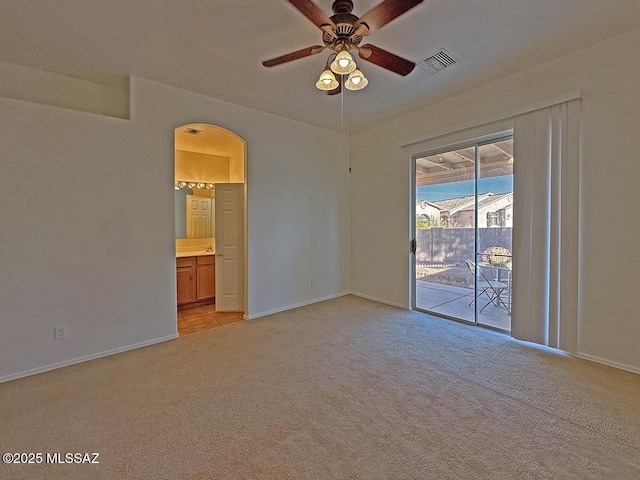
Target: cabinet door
point(206, 281)
point(186, 285)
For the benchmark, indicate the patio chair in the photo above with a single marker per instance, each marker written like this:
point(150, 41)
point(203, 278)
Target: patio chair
point(488, 287)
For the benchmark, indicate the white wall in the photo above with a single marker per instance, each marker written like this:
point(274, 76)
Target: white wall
point(24, 83)
point(202, 167)
point(94, 248)
point(607, 75)
point(236, 163)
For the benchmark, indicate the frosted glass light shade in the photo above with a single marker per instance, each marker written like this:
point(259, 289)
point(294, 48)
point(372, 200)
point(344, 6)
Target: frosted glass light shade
point(327, 81)
point(343, 64)
point(356, 81)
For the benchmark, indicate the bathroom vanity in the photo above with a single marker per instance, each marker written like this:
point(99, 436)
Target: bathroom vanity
point(196, 280)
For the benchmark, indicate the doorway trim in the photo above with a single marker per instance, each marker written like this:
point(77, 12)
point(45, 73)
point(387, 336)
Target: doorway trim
point(244, 160)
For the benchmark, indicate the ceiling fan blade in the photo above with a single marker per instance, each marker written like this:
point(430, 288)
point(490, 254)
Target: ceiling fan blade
point(313, 13)
point(385, 59)
point(382, 14)
point(305, 52)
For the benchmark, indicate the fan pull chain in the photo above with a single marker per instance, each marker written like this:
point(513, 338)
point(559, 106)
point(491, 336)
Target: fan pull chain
point(348, 115)
point(342, 107)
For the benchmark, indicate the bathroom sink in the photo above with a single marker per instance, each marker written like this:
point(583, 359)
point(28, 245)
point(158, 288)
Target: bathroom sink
point(195, 253)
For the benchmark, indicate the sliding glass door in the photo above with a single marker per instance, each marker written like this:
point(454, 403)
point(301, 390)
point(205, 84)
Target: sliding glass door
point(494, 233)
point(463, 224)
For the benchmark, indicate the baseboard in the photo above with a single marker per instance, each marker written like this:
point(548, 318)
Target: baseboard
point(297, 305)
point(379, 300)
point(86, 358)
point(609, 363)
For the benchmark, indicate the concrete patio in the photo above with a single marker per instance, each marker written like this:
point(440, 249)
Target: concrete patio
point(454, 302)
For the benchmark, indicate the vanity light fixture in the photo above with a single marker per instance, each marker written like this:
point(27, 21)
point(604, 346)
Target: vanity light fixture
point(180, 184)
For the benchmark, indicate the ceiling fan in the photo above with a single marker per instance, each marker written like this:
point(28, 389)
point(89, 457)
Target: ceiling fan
point(344, 31)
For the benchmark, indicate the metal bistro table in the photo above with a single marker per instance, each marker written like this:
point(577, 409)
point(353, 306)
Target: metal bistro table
point(502, 274)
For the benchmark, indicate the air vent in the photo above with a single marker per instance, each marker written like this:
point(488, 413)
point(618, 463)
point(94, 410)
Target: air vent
point(192, 131)
point(436, 62)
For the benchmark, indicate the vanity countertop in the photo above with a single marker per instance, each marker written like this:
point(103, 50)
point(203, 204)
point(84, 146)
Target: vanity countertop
point(200, 253)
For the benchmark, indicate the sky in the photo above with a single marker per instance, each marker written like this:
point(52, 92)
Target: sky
point(444, 191)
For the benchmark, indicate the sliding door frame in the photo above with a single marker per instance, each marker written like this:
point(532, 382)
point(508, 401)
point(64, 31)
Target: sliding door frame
point(475, 143)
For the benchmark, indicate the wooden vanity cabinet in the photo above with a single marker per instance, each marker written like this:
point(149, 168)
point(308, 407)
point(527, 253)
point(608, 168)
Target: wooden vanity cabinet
point(186, 280)
point(195, 278)
point(205, 277)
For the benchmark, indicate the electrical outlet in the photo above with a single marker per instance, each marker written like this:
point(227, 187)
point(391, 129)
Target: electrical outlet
point(313, 283)
point(59, 332)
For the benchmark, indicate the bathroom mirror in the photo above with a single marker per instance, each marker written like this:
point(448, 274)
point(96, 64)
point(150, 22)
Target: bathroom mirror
point(180, 201)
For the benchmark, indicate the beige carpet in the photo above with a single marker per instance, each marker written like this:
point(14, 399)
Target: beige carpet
point(342, 389)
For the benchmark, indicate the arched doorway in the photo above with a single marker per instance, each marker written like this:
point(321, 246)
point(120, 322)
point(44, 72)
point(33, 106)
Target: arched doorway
point(210, 224)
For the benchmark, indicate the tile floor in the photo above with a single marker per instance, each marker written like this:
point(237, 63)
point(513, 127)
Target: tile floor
point(197, 319)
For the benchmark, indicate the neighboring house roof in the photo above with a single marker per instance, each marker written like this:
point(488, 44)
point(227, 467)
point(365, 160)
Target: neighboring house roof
point(458, 204)
point(424, 203)
point(493, 198)
point(452, 205)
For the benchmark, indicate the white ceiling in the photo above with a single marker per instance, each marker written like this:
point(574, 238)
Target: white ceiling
point(215, 47)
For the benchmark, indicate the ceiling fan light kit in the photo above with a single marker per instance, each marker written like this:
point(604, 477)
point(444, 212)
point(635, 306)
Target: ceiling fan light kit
point(344, 63)
point(327, 80)
point(356, 81)
point(344, 31)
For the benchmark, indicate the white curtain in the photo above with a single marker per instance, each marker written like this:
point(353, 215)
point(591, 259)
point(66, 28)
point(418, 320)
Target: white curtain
point(546, 226)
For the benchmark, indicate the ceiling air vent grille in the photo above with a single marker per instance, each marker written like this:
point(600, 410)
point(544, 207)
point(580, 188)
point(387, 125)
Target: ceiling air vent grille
point(436, 62)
